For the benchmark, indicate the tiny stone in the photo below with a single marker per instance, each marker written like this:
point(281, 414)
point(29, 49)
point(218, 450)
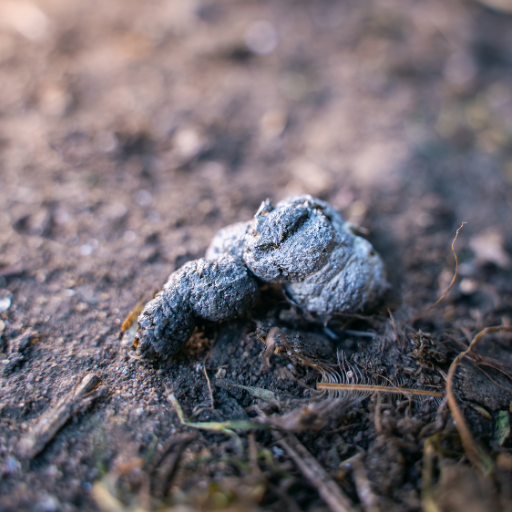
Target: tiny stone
point(278, 452)
point(221, 373)
point(13, 465)
point(5, 304)
point(48, 503)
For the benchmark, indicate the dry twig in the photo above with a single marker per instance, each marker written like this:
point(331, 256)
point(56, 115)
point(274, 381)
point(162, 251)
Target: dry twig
point(427, 501)
point(363, 486)
point(432, 306)
point(474, 453)
point(327, 488)
point(205, 371)
point(34, 441)
point(165, 466)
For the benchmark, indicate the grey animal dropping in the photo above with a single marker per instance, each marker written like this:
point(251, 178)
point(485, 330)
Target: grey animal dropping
point(301, 242)
point(200, 289)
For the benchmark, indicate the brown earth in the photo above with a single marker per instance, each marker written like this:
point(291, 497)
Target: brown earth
point(131, 131)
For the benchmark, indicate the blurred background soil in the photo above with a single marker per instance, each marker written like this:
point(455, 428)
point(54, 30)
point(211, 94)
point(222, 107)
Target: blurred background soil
point(132, 130)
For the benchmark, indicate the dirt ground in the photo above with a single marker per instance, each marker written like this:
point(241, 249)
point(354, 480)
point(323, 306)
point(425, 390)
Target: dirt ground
point(132, 130)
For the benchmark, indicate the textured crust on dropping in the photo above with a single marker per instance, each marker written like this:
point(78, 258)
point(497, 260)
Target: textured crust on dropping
point(229, 241)
point(313, 202)
point(165, 325)
point(215, 290)
point(288, 242)
point(354, 278)
point(302, 242)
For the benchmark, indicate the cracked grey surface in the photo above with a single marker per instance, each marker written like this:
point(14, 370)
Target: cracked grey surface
point(205, 289)
point(215, 290)
point(165, 325)
point(228, 241)
point(302, 242)
point(354, 278)
point(288, 242)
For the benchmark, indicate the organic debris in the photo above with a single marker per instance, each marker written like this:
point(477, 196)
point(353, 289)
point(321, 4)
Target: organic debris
point(224, 427)
point(502, 430)
point(313, 471)
point(476, 454)
point(347, 379)
point(40, 434)
point(452, 282)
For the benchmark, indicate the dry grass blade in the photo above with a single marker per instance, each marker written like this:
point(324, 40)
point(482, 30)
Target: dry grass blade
point(261, 393)
point(474, 453)
point(313, 416)
point(209, 384)
point(327, 488)
point(106, 501)
point(495, 364)
point(432, 306)
point(427, 475)
point(370, 388)
point(225, 427)
point(133, 486)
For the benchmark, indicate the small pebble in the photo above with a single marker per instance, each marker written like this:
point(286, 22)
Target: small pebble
point(13, 465)
point(261, 38)
point(5, 304)
point(278, 452)
point(221, 373)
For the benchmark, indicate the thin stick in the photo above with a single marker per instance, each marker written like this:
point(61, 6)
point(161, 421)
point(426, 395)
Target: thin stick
point(327, 488)
point(441, 415)
point(363, 486)
point(427, 501)
point(399, 339)
point(271, 343)
point(477, 457)
point(447, 289)
point(370, 388)
point(34, 441)
point(169, 463)
point(208, 383)
point(253, 453)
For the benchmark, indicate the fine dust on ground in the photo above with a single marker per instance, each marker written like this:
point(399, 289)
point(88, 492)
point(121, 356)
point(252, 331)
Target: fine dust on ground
point(131, 131)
